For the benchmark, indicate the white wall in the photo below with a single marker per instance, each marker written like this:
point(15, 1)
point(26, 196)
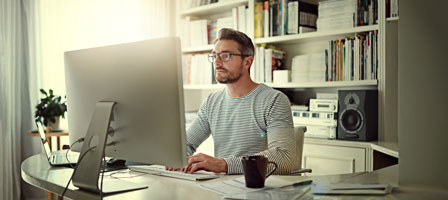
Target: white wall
point(422, 93)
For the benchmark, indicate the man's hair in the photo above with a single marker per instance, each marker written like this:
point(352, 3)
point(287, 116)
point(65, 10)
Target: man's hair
point(246, 46)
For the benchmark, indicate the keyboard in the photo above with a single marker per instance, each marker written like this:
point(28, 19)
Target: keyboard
point(161, 171)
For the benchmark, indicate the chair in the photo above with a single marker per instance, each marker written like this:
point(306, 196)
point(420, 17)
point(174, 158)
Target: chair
point(299, 133)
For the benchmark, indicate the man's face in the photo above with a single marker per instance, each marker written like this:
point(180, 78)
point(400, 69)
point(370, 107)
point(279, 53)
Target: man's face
point(232, 70)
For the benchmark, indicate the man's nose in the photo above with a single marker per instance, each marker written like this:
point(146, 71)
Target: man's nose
point(218, 61)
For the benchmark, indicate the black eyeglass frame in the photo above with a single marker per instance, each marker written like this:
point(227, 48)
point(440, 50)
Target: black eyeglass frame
point(212, 56)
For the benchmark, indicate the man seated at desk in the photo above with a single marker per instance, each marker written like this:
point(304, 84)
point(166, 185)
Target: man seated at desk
point(245, 118)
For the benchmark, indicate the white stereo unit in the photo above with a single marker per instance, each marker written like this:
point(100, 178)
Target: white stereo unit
point(325, 132)
point(318, 124)
point(315, 118)
point(324, 105)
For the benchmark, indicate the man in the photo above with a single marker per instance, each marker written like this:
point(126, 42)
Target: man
point(245, 118)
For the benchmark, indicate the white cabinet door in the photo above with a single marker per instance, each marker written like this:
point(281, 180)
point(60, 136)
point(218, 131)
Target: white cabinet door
point(326, 160)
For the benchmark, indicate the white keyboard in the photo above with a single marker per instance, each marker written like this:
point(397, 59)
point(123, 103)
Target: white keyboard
point(161, 171)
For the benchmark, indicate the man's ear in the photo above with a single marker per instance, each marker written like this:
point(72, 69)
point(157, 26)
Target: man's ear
point(248, 61)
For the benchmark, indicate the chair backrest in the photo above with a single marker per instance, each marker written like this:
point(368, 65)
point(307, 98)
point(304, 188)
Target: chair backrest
point(299, 133)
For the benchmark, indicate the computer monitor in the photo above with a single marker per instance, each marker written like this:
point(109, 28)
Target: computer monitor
point(144, 81)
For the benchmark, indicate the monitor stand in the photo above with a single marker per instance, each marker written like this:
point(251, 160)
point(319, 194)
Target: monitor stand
point(87, 171)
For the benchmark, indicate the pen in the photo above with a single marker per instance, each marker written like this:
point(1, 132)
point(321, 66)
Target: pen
point(302, 183)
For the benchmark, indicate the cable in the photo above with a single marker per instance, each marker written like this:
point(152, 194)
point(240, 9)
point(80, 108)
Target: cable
point(112, 175)
point(76, 167)
point(102, 176)
point(66, 153)
point(74, 171)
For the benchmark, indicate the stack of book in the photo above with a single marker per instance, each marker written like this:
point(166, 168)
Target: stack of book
point(337, 14)
point(282, 17)
point(199, 32)
point(353, 58)
point(197, 70)
point(302, 17)
point(308, 68)
point(267, 59)
point(367, 12)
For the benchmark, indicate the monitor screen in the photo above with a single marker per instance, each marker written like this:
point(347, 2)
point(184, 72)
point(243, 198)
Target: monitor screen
point(145, 80)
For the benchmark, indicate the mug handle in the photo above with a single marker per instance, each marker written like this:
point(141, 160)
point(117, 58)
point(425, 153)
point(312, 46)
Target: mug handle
point(273, 170)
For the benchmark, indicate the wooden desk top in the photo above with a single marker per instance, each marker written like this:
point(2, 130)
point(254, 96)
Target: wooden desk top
point(64, 133)
point(36, 171)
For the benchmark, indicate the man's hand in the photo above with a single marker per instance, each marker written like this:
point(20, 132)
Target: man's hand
point(172, 169)
point(205, 162)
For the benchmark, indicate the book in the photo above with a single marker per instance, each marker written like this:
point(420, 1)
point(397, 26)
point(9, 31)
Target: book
point(301, 14)
point(268, 65)
point(235, 18)
point(258, 19)
point(266, 21)
point(305, 29)
point(351, 189)
point(242, 18)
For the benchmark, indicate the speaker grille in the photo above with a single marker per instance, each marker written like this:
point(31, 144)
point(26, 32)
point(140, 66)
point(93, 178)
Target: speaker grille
point(351, 120)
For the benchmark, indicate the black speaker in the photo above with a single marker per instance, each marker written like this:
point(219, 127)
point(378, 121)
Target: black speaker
point(358, 115)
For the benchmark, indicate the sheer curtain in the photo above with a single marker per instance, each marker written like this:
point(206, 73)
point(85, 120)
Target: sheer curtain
point(15, 108)
point(34, 34)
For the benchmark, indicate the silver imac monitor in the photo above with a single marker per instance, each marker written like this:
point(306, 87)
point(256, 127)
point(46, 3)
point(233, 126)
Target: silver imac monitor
point(143, 80)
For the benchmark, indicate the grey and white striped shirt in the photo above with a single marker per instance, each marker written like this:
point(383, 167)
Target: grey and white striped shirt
point(259, 123)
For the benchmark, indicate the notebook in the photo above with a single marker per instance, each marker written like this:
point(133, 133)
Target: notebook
point(56, 158)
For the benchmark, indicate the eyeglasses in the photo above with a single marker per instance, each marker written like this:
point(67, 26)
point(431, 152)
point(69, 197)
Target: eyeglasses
point(224, 56)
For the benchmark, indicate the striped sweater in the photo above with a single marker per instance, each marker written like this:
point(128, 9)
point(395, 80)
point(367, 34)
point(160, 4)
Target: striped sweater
point(259, 123)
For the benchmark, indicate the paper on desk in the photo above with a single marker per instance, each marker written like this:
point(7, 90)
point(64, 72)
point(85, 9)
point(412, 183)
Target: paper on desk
point(238, 186)
point(352, 189)
point(273, 193)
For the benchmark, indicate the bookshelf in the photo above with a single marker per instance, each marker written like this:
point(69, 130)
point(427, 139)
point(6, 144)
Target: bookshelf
point(392, 19)
point(315, 36)
point(213, 9)
point(335, 84)
point(314, 42)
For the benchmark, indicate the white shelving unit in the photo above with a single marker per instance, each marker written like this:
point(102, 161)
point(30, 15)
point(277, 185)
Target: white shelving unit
point(391, 19)
point(314, 42)
point(213, 9)
point(318, 35)
point(335, 84)
point(226, 7)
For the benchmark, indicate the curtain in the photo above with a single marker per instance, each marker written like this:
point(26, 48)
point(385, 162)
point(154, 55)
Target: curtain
point(34, 34)
point(15, 110)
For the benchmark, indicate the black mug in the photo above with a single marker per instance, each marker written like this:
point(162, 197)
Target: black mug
point(255, 168)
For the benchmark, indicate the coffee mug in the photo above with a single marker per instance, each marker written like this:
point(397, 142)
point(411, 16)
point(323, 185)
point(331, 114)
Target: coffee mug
point(255, 168)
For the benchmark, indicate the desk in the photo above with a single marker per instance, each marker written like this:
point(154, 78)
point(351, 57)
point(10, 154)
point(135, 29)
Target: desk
point(50, 134)
point(36, 171)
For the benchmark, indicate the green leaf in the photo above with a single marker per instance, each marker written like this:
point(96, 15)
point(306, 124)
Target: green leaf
point(43, 92)
point(49, 107)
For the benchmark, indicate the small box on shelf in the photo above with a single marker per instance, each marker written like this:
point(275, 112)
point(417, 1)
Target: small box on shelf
point(282, 76)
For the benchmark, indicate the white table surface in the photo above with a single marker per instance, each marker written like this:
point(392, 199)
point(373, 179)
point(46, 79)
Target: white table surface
point(36, 171)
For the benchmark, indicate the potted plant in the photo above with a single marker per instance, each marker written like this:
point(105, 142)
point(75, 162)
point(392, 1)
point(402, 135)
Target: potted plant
point(50, 109)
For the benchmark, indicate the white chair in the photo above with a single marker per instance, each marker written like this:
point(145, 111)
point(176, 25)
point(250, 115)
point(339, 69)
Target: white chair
point(299, 133)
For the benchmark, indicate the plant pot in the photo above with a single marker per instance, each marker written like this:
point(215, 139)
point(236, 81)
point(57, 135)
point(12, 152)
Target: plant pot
point(54, 125)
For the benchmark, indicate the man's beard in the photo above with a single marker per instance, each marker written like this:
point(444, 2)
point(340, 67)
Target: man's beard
point(228, 79)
